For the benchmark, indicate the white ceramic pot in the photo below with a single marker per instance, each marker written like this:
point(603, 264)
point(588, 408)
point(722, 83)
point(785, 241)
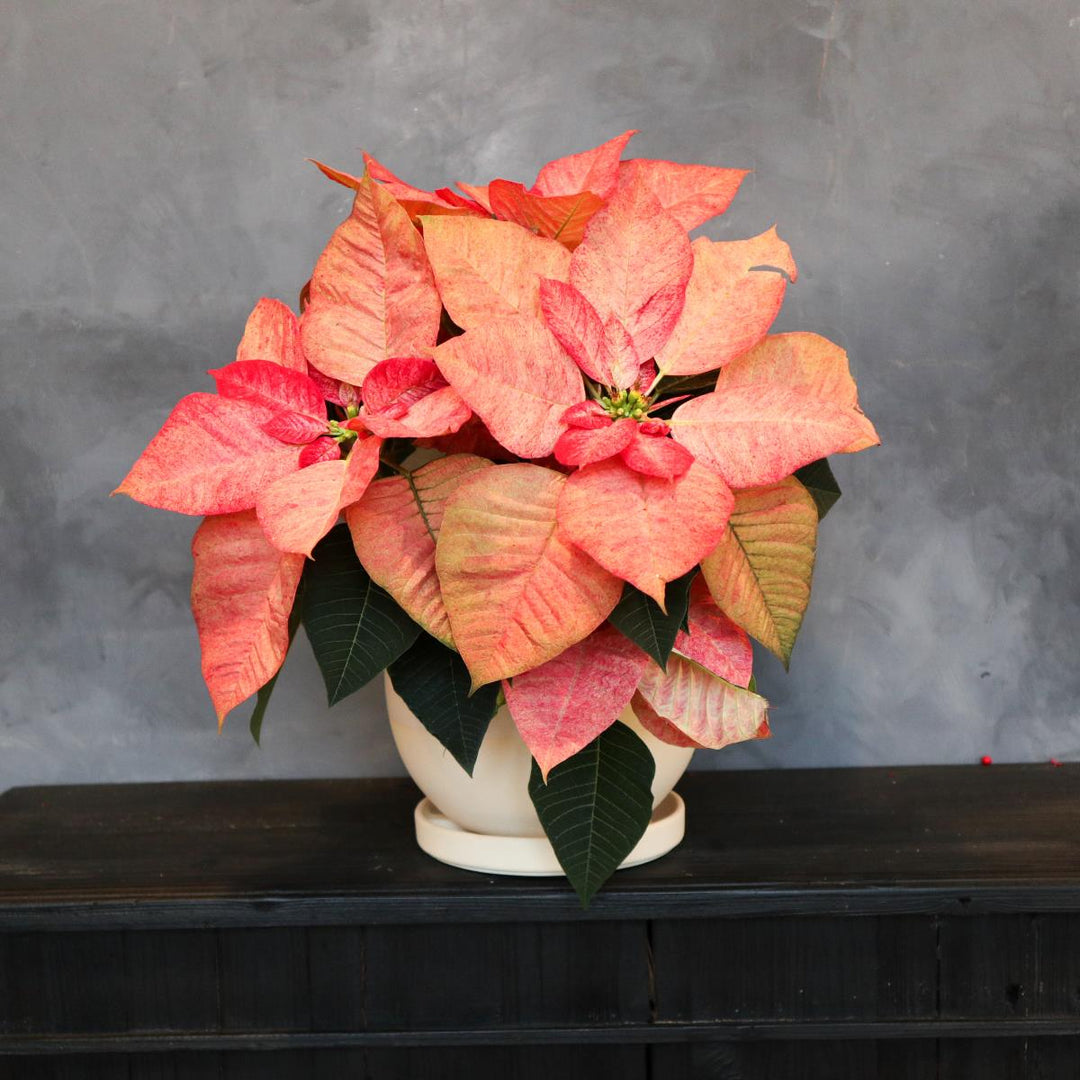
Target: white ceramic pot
point(477, 819)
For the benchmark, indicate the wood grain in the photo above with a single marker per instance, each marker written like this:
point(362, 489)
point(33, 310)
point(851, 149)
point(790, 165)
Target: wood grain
point(941, 839)
point(891, 923)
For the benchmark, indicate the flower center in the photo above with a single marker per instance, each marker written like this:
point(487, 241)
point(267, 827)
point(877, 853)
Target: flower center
point(626, 404)
point(340, 433)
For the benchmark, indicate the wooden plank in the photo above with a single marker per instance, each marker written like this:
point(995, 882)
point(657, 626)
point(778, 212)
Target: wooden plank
point(1011, 966)
point(336, 967)
point(624, 1034)
point(64, 983)
point(940, 918)
point(798, 1061)
point(983, 965)
point(1010, 1059)
point(881, 968)
point(1054, 975)
point(868, 840)
point(1052, 1059)
point(469, 1063)
point(174, 1067)
point(509, 1063)
point(94, 1067)
point(293, 1065)
point(171, 980)
point(264, 980)
point(506, 975)
point(542, 905)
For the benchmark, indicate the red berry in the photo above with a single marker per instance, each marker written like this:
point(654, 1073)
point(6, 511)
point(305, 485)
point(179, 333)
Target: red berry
point(986, 759)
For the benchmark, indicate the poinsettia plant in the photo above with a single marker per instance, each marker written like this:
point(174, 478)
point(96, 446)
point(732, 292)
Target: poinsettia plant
point(530, 445)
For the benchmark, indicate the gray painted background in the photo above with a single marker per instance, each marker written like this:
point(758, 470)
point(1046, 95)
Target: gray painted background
point(920, 157)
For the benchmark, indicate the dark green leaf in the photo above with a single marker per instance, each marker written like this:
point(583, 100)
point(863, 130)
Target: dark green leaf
point(448, 328)
point(818, 479)
point(355, 628)
point(262, 699)
point(688, 384)
point(595, 806)
point(434, 682)
point(639, 617)
point(675, 390)
point(394, 452)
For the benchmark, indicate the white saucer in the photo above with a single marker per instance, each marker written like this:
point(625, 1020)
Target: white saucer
point(533, 856)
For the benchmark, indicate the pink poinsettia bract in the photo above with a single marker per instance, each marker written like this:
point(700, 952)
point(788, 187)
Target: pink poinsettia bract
point(533, 406)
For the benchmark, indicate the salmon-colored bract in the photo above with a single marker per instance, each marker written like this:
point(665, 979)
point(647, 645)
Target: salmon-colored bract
point(562, 705)
point(241, 595)
point(547, 415)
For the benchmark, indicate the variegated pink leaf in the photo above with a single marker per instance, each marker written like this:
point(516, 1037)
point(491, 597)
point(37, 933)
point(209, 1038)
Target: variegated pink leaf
point(656, 725)
point(646, 530)
point(595, 170)
point(587, 414)
point(807, 364)
point(413, 200)
point(273, 333)
point(241, 596)
point(486, 269)
point(516, 590)
point(656, 455)
point(395, 526)
point(477, 192)
point(733, 297)
point(758, 434)
point(322, 449)
point(558, 217)
point(210, 457)
point(394, 386)
point(620, 354)
point(294, 428)
point(760, 572)
point(373, 295)
point(583, 446)
point(452, 199)
point(334, 390)
point(337, 175)
point(578, 328)
point(265, 383)
point(634, 263)
point(441, 412)
point(516, 377)
point(562, 705)
point(298, 510)
point(691, 194)
point(714, 641)
point(711, 711)
point(416, 201)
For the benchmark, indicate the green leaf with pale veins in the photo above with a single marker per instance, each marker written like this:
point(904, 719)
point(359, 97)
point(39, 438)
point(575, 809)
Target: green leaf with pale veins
point(262, 699)
point(434, 682)
point(639, 617)
point(688, 384)
point(760, 572)
point(355, 628)
point(595, 806)
point(818, 479)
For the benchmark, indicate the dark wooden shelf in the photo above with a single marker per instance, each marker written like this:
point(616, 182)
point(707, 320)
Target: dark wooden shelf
point(908, 922)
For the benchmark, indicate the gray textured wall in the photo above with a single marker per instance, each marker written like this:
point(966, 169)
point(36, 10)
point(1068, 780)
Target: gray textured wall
point(920, 157)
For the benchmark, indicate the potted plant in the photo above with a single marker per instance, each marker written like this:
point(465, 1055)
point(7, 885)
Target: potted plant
point(533, 452)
